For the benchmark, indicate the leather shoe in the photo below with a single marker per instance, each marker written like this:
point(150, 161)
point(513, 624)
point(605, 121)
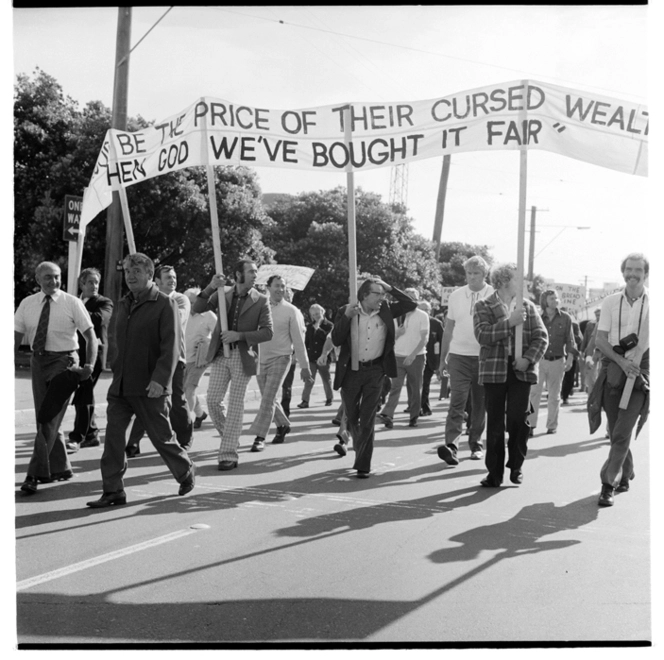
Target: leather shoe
point(132, 451)
point(328, 402)
point(188, 484)
point(56, 476)
point(199, 420)
point(606, 496)
point(72, 447)
point(413, 422)
point(448, 455)
point(386, 420)
point(109, 499)
point(362, 474)
point(336, 422)
point(340, 448)
point(622, 487)
point(90, 442)
point(488, 482)
point(29, 486)
point(303, 404)
point(476, 455)
point(226, 465)
point(516, 476)
point(550, 431)
point(259, 445)
point(425, 413)
point(280, 436)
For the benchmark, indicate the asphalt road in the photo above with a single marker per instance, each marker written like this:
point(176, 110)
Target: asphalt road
point(291, 549)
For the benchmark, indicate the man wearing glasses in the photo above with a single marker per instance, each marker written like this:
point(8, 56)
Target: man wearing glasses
point(361, 389)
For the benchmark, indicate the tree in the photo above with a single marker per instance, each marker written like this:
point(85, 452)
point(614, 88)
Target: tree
point(56, 146)
point(311, 229)
point(452, 257)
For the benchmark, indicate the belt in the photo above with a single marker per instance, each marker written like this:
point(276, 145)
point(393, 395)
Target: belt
point(371, 363)
point(44, 353)
point(551, 359)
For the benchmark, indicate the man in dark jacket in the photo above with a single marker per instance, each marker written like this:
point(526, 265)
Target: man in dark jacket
point(432, 363)
point(147, 341)
point(86, 433)
point(361, 389)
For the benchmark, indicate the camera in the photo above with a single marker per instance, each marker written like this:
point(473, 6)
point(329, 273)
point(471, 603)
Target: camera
point(626, 343)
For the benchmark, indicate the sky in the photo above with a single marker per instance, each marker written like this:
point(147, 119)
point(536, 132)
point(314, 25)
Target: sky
point(300, 57)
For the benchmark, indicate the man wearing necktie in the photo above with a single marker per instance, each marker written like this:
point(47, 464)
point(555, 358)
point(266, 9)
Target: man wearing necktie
point(49, 320)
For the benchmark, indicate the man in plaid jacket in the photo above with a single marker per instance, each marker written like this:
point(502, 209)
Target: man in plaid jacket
point(506, 377)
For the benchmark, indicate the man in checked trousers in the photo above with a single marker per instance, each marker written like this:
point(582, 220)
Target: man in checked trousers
point(249, 324)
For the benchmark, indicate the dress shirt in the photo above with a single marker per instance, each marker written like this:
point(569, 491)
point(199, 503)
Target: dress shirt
point(67, 315)
point(199, 329)
point(460, 309)
point(288, 329)
point(561, 337)
point(372, 335)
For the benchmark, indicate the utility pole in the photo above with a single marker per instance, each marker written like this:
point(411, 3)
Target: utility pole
point(440, 203)
point(114, 226)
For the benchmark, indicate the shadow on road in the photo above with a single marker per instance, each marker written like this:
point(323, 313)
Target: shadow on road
point(325, 620)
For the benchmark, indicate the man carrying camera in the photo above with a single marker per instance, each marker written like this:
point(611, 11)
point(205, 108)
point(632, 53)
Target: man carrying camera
point(623, 339)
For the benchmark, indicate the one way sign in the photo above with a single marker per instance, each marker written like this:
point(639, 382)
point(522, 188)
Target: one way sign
point(73, 206)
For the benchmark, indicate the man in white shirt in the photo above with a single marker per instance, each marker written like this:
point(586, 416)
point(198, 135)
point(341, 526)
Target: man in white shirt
point(623, 338)
point(275, 361)
point(460, 352)
point(197, 341)
point(412, 334)
point(49, 320)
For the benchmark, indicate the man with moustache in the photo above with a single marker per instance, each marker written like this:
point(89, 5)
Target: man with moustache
point(249, 324)
point(623, 339)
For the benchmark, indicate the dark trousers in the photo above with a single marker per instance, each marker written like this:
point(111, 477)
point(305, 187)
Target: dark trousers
point(180, 414)
point(619, 466)
point(49, 455)
point(426, 386)
point(153, 415)
point(507, 409)
point(287, 390)
point(567, 386)
point(85, 425)
point(360, 393)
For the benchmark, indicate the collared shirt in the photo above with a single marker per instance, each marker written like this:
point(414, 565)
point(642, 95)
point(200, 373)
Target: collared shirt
point(66, 316)
point(460, 309)
point(416, 325)
point(199, 329)
point(621, 320)
point(561, 337)
point(235, 309)
point(372, 334)
point(288, 329)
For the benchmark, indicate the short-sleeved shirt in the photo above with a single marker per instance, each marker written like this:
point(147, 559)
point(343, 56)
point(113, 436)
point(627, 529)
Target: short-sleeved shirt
point(199, 329)
point(416, 324)
point(66, 316)
point(620, 319)
point(460, 309)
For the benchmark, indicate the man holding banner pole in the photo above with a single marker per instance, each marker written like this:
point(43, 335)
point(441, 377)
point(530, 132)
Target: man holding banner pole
point(249, 323)
point(361, 388)
point(623, 338)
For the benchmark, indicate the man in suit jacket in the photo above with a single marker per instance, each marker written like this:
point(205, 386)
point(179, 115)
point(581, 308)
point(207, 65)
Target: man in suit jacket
point(143, 360)
point(361, 389)
point(249, 323)
point(86, 433)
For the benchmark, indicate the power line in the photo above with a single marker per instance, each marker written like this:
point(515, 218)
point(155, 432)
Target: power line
point(418, 50)
point(143, 37)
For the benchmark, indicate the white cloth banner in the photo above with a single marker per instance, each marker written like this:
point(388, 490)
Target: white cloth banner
point(296, 277)
point(582, 125)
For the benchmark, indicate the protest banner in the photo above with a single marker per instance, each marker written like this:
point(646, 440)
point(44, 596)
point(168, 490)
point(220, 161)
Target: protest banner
point(296, 277)
point(571, 296)
point(348, 137)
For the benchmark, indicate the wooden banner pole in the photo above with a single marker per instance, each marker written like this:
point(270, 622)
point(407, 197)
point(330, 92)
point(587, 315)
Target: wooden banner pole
point(216, 246)
point(352, 249)
point(521, 239)
point(129, 230)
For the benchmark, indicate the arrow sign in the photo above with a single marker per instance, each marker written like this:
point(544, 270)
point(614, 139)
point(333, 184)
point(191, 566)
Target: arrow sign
point(72, 219)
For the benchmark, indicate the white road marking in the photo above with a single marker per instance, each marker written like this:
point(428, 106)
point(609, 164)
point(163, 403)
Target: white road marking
point(101, 559)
